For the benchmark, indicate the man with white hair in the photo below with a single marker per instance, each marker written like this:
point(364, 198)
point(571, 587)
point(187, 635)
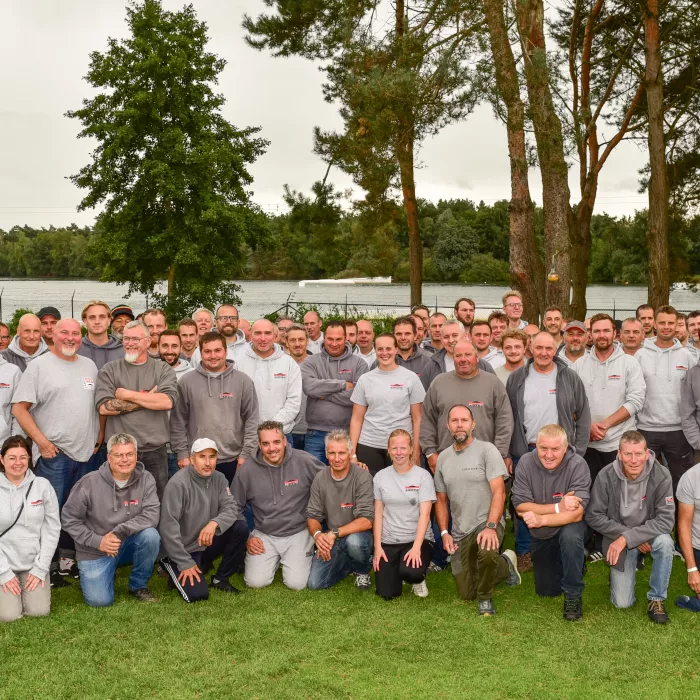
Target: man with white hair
point(204, 320)
point(135, 394)
point(54, 404)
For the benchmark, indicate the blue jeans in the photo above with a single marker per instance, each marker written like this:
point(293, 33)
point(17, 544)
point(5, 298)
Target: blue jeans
point(558, 562)
point(98, 459)
point(622, 582)
point(172, 465)
point(315, 444)
point(523, 538)
point(97, 575)
point(349, 554)
point(63, 473)
point(298, 441)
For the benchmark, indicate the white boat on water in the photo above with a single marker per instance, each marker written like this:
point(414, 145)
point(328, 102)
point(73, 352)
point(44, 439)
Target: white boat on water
point(350, 280)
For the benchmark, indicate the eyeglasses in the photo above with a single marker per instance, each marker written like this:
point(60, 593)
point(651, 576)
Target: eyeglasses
point(127, 456)
point(131, 340)
point(516, 306)
point(227, 318)
point(4, 337)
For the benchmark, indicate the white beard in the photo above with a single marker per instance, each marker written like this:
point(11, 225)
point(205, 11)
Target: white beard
point(131, 357)
point(68, 352)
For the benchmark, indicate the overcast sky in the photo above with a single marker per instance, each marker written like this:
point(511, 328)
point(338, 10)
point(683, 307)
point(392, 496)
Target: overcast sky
point(44, 50)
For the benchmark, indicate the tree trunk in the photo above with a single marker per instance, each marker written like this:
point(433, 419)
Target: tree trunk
point(527, 273)
point(550, 151)
point(657, 236)
point(171, 280)
point(581, 246)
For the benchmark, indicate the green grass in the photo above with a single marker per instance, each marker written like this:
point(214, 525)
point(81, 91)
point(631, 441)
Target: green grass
point(345, 643)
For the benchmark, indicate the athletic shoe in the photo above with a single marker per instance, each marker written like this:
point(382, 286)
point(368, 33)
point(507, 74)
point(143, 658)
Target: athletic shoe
point(57, 581)
point(656, 610)
point(595, 556)
point(514, 578)
point(223, 585)
point(363, 582)
point(486, 608)
point(573, 609)
point(640, 562)
point(524, 562)
point(143, 595)
point(434, 568)
point(420, 589)
point(677, 553)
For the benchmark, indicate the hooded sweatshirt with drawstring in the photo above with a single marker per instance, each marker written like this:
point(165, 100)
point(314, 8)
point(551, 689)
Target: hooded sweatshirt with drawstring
point(223, 407)
point(665, 370)
point(16, 356)
point(615, 383)
point(279, 495)
point(9, 379)
point(102, 354)
point(277, 380)
point(97, 505)
point(324, 378)
point(638, 509)
point(231, 348)
point(30, 544)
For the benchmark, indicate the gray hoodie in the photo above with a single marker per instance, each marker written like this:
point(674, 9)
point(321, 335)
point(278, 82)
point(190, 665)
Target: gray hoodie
point(102, 354)
point(97, 506)
point(9, 379)
point(190, 501)
point(639, 509)
point(238, 341)
point(279, 495)
point(223, 407)
point(416, 361)
point(16, 356)
point(690, 407)
point(31, 543)
point(436, 366)
point(536, 484)
point(328, 405)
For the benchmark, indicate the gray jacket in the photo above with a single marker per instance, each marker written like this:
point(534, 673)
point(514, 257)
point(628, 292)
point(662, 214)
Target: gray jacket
point(572, 408)
point(102, 354)
point(18, 357)
point(611, 486)
point(323, 380)
point(436, 366)
point(690, 407)
point(416, 361)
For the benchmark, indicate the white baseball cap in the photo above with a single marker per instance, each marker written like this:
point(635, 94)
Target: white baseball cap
point(204, 444)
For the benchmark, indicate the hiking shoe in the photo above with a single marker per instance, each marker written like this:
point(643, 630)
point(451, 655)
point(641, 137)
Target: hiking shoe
point(656, 610)
point(486, 608)
point(143, 595)
point(223, 585)
point(524, 563)
point(363, 582)
point(420, 589)
point(514, 578)
point(595, 556)
point(57, 581)
point(434, 568)
point(573, 609)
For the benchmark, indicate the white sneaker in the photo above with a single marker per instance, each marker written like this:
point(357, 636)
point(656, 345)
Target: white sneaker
point(420, 589)
point(363, 582)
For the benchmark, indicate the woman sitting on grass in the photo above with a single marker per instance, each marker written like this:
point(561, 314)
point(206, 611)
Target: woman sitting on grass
point(29, 530)
point(403, 540)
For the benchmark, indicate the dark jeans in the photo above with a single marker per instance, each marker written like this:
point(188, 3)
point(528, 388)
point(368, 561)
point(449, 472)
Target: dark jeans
point(478, 571)
point(597, 461)
point(98, 459)
point(228, 469)
point(558, 562)
point(172, 465)
point(230, 545)
point(523, 538)
point(392, 573)
point(350, 554)
point(299, 441)
point(374, 457)
point(156, 463)
point(315, 444)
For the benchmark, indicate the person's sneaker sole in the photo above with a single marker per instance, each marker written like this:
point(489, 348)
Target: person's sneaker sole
point(514, 577)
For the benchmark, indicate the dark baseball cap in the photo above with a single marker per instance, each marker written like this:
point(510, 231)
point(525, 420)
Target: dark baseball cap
point(49, 311)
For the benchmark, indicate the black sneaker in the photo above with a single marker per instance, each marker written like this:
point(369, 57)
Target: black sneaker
point(143, 595)
point(640, 562)
point(573, 609)
point(57, 581)
point(656, 610)
point(74, 571)
point(486, 608)
point(223, 585)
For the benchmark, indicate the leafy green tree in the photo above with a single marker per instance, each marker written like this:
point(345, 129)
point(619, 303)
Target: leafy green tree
point(483, 268)
point(169, 170)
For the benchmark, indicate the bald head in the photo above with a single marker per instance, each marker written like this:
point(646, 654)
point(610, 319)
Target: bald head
point(29, 333)
point(262, 337)
point(66, 339)
point(465, 358)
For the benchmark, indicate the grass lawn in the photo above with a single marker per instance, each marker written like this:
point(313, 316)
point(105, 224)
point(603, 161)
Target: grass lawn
point(345, 643)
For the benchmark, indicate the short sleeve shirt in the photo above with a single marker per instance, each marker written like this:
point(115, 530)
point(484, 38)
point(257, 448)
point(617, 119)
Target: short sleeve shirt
point(540, 400)
point(688, 492)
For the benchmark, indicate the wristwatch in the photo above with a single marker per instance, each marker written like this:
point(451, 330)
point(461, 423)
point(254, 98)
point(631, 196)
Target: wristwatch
point(491, 526)
point(336, 533)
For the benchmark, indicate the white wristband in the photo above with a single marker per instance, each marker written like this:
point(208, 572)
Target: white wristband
point(556, 507)
point(443, 533)
point(318, 532)
point(694, 568)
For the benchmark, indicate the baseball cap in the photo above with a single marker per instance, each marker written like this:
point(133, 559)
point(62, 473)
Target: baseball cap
point(575, 324)
point(204, 444)
point(49, 311)
point(122, 310)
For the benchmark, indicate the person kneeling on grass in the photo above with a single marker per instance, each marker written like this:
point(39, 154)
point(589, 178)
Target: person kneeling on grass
point(632, 508)
point(550, 493)
point(470, 475)
point(342, 496)
point(403, 539)
point(688, 497)
point(198, 523)
point(276, 481)
point(112, 515)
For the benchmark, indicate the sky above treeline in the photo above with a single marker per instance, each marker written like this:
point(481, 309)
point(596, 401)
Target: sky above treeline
point(44, 54)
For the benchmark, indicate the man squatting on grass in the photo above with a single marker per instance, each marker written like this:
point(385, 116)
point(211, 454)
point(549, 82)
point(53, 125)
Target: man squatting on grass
point(567, 418)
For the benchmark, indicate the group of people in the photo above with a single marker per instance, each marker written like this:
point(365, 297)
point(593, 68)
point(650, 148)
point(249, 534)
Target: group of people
point(219, 447)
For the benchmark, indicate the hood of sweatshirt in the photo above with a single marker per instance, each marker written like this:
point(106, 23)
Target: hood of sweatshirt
point(113, 343)
point(633, 496)
point(11, 493)
point(238, 339)
point(199, 367)
point(568, 455)
point(346, 353)
point(183, 366)
point(275, 474)
point(106, 474)
point(267, 362)
point(15, 348)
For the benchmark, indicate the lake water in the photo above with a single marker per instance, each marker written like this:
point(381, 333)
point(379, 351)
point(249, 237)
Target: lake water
point(260, 297)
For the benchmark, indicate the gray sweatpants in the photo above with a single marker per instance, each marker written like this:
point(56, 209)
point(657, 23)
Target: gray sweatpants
point(36, 603)
point(294, 553)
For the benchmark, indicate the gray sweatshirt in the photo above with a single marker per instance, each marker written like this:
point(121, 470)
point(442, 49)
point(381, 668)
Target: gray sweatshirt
point(279, 495)
point(638, 509)
point(150, 428)
point(16, 356)
point(486, 397)
point(341, 502)
point(572, 408)
point(102, 354)
point(190, 502)
point(536, 484)
point(436, 366)
point(328, 405)
point(96, 506)
point(29, 546)
point(416, 361)
point(690, 407)
point(223, 408)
